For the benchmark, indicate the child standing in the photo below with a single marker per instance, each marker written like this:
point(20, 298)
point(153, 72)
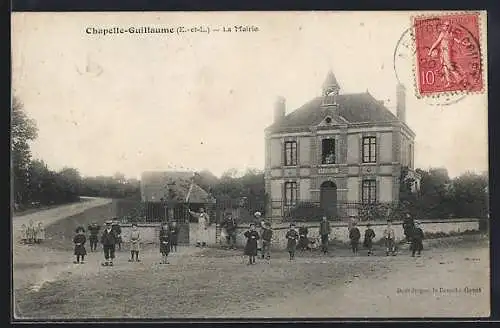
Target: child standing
point(354, 236)
point(40, 233)
point(118, 232)
point(369, 236)
point(108, 241)
point(135, 240)
point(93, 238)
point(79, 241)
point(390, 244)
point(416, 239)
point(292, 236)
point(303, 240)
point(252, 237)
point(267, 235)
point(165, 238)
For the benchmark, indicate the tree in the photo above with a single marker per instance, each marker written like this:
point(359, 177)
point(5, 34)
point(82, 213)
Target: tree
point(470, 195)
point(23, 130)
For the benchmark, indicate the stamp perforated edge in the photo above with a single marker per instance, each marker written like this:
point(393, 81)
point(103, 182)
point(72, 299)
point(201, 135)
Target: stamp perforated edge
point(442, 94)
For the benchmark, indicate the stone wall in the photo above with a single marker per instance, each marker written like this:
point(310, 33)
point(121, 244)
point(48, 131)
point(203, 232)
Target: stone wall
point(149, 232)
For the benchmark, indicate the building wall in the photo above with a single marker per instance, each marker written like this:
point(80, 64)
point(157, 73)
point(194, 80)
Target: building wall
point(392, 151)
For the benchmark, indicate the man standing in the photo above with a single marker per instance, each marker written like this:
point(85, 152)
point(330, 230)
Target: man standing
point(94, 232)
point(230, 226)
point(324, 231)
point(203, 222)
point(108, 241)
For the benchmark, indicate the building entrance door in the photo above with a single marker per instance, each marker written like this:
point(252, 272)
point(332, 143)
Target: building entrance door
point(328, 199)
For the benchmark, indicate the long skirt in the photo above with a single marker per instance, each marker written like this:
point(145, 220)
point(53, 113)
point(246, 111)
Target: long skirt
point(303, 242)
point(80, 250)
point(251, 247)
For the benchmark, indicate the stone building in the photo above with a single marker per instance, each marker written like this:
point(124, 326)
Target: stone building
point(335, 149)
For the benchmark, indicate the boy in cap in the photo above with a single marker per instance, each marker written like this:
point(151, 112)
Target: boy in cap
point(165, 239)
point(79, 241)
point(252, 237)
point(108, 241)
point(93, 238)
point(230, 226)
point(390, 244)
point(174, 235)
point(369, 236)
point(292, 236)
point(354, 236)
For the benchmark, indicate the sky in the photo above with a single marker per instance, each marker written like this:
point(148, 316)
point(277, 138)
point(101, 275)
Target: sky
point(137, 102)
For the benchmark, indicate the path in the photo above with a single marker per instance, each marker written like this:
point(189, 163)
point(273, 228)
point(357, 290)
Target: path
point(36, 264)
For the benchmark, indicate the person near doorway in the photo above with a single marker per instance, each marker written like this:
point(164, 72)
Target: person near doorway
point(252, 237)
point(203, 222)
point(93, 228)
point(324, 231)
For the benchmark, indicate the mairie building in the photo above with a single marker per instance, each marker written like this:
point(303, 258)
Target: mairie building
point(336, 149)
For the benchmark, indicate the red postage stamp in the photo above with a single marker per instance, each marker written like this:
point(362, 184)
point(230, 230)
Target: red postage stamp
point(448, 54)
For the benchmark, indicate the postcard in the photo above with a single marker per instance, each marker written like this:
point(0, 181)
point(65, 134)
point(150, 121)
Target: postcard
point(215, 165)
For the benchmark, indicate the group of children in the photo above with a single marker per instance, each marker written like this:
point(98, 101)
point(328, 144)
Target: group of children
point(414, 235)
point(32, 234)
point(111, 237)
point(299, 239)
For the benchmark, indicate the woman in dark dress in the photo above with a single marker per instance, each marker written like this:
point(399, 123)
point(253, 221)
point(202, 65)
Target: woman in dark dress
point(251, 246)
point(292, 236)
point(165, 239)
point(79, 240)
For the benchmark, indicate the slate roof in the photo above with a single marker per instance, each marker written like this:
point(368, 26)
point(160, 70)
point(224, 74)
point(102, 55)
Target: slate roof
point(355, 108)
point(156, 184)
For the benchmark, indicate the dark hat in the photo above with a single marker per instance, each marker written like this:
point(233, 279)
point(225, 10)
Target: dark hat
point(78, 229)
point(292, 224)
point(134, 224)
point(368, 224)
point(252, 224)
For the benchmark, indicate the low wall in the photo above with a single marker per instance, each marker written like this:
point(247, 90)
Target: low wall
point(340, 233)
point(149, 232)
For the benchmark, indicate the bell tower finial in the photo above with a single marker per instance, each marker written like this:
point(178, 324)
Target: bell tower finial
point(330, 86)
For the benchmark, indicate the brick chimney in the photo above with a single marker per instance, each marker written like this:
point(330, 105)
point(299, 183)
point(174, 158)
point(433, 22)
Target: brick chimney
point(401, 102)
point(279, 109)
